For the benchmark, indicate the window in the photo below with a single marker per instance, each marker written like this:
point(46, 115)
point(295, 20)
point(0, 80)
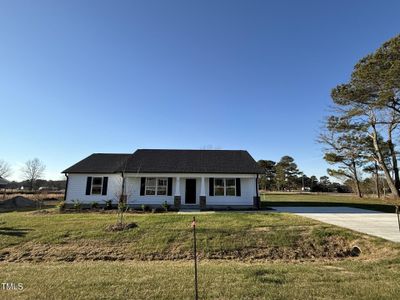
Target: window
point(151, 186)
point(230, 187)
point(219, 187)
point(97, 185)
point(225, 187)
point(156, 186)
point(162, 184)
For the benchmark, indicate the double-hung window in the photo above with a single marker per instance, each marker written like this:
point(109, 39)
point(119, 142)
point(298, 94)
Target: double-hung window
point(219, 187)
point(151, 186)
point(225, 187)
point(156, 186)
point(97, 185)
point(230, 187)
point(162, 184)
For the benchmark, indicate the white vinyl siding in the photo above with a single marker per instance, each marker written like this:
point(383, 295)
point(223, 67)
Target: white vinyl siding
point(77, 189)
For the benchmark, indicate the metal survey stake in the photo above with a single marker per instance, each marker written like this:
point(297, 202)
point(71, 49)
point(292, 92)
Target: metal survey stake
point(196, 294)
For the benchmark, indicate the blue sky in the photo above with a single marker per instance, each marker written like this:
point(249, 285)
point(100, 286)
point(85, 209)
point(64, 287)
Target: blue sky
point(78, 77)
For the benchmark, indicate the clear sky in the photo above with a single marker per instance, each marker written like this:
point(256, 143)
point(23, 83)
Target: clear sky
point(78, 77)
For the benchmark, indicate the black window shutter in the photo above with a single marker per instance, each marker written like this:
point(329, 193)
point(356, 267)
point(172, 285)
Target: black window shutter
point(169, 186)
point(211, 186)
point(142, 185)
point(238, 187)
point(88, 185)
point(105, 184)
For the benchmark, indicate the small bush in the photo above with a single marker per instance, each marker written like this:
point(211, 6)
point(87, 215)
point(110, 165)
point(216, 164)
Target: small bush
point(94, 205)
point(108, 204)
point(165, 205)
point(143, 207)
point(122, 206)
point(77, 205)
point(61, 206)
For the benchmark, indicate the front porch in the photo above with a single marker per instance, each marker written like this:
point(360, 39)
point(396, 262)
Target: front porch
point(193, 191)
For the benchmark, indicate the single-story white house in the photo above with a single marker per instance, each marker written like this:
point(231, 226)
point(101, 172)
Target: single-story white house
point(183, 178)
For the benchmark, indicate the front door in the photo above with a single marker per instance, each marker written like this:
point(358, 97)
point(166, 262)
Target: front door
point(190, 194)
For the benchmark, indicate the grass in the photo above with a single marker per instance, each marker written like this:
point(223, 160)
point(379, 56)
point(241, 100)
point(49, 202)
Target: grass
point(243, 256)
point(158, 236)
point(309, 199)
point(217, 280)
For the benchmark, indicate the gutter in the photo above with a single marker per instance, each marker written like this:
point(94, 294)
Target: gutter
point(66, 187)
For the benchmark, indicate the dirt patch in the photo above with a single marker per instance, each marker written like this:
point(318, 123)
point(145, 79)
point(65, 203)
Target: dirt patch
point(18, 202)
point(41, 212)
point(258, 229)
point(120, 226)
point(332, 248)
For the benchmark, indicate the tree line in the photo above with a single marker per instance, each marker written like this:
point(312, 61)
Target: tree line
point(286, 176)
point(360, 136)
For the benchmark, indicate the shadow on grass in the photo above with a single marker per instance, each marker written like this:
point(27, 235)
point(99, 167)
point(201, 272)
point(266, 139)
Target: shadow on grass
point(11, 231)
point(25, 209)
point(378, 207)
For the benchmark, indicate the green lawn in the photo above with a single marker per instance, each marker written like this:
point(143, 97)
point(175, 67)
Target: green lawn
point(300, 199)
point(263, 255)
point(69, 237)
point(217, 280)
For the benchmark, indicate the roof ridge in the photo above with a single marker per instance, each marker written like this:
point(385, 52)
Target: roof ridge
point(111, 153)
point(161, 149)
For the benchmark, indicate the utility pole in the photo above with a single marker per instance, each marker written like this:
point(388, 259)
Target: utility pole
point(196, 294)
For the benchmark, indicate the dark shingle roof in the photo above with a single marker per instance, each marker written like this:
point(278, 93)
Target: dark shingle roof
point(169, 161)
point(100, 163)
point(191, 161)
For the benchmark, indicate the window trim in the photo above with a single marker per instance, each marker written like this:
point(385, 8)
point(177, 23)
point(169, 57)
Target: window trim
point(225, 187)
point(156, 187)
point(97, 185)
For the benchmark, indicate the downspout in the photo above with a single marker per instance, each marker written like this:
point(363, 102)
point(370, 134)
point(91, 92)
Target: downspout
point(123, 185)
point(66, 187)
point(256, 201)
point(257, 186)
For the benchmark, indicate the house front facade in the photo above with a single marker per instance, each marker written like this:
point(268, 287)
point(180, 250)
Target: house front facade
point(183, 178)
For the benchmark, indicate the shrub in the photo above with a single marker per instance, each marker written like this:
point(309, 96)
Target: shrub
point(94, 205)
point(77, 205)
point(143, 207)
point(122, 206)
point(61, 206)
point(108, 204)
point(165, 205)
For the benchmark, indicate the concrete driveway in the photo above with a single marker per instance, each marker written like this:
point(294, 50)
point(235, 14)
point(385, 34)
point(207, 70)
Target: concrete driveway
point(371, 222)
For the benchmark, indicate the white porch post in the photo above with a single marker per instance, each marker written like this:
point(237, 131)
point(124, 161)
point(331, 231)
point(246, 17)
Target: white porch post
point(177, 195)
point(202, 193)
point(178, 186)
point(202, 187)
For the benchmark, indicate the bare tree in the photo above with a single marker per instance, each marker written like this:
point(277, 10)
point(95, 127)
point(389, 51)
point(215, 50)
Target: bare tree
point(5, 169)
point(33, 170)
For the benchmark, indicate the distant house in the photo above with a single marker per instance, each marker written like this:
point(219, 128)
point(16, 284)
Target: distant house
point(182, 178)
point(3, 183)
